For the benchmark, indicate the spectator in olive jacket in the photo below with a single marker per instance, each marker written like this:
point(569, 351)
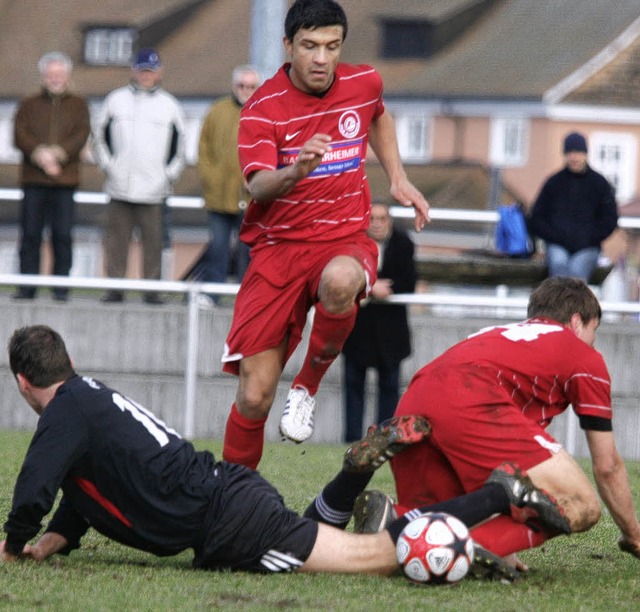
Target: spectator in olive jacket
point(225, 194)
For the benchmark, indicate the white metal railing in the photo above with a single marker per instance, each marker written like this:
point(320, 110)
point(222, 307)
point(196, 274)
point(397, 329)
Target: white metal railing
point(483, 216)
point(400, 212)
point(194, 289)
point(500, 302)
point(191, 289)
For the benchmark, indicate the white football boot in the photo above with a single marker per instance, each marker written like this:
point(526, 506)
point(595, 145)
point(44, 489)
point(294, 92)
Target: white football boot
point(296, 423)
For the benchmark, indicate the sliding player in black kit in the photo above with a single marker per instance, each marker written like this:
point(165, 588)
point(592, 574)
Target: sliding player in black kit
point(125, 473)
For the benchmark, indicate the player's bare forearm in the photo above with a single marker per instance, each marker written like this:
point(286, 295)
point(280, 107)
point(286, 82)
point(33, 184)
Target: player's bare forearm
point(267, 185)
point(612, 480)
point(382, 137)
point(616, 493)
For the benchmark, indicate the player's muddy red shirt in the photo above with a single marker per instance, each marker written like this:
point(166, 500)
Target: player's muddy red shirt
point(539, 365)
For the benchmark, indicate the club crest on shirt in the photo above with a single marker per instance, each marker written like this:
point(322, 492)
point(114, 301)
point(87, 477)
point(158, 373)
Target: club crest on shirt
point(349, 124)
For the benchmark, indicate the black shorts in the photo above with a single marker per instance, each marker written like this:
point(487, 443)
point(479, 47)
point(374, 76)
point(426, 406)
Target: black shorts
point(250, 529)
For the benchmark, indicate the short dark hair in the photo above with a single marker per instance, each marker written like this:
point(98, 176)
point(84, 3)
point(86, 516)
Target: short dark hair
point(560, 297)
point(40, 355)
point(312, 14)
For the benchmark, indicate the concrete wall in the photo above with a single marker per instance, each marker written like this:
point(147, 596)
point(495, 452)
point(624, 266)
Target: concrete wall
point(141, 350)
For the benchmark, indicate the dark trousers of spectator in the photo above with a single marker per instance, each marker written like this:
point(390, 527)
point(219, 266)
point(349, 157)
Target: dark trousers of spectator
point(122, 217)
point(354, 395)
point(41, 206)
point(222, 228)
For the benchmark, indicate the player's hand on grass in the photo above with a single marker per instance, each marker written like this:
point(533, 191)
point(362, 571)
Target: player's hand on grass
point(5, 557)
point(630, 547)
point(514, 561)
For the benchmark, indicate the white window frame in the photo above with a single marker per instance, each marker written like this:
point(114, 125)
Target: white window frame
point(413, 132)
point(108, 46)
point(614, 155)
point(509, 142)
point(8, 152)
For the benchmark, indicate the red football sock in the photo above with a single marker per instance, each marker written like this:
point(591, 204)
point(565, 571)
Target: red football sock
point(243, 439)
point(503, 536)
point(328, 335)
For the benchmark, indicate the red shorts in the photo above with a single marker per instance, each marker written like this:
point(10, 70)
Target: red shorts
point(470, 437)
point(278, 289)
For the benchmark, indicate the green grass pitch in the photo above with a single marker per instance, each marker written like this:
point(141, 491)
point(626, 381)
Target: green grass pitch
point(581, 572)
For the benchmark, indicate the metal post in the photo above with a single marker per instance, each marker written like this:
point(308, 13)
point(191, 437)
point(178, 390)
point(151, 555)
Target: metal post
point(571, 432)
point(495, 187)
point(191, 372)
point(267, 19)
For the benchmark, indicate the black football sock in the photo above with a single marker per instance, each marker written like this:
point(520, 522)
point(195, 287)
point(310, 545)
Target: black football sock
point(471, 508)
point(334, 505)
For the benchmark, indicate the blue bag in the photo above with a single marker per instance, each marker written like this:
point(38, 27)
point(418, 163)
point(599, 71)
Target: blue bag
point(512, 235)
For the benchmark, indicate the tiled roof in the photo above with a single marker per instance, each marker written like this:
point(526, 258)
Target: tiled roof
point(517, 49)
point(514, 49)
point(617, 84)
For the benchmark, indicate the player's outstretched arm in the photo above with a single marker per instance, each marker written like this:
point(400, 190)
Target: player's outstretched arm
point(267, 185)
point(611, 478)
point(382, 136)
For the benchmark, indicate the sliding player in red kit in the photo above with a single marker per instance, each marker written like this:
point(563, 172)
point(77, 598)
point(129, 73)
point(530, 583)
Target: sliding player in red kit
point(472, 430)
point(489, 399)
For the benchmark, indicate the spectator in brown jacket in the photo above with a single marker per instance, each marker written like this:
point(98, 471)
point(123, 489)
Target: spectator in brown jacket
point(50, 129)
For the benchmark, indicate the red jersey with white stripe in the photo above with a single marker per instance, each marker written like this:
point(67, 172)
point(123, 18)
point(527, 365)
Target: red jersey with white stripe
point(334, 200)
point(539, 365)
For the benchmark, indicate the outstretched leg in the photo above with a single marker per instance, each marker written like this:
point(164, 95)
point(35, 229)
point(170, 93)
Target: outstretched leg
point(258, 380)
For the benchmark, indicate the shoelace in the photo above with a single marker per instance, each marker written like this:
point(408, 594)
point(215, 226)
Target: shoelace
point(304, 411)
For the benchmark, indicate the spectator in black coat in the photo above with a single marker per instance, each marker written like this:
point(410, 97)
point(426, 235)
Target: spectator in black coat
point(380, 338)
point(575, 211)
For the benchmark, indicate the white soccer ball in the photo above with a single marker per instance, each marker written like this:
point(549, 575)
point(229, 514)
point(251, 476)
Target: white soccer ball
point(435, 548)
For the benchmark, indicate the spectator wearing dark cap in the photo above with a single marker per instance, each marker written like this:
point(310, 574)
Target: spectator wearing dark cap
point(574, 212)
point(139, 138)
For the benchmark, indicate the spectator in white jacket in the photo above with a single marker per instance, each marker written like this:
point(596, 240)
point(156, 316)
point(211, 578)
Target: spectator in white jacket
point(139, 141)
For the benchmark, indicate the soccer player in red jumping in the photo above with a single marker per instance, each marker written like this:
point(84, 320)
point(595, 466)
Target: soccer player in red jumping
point(302, 144)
